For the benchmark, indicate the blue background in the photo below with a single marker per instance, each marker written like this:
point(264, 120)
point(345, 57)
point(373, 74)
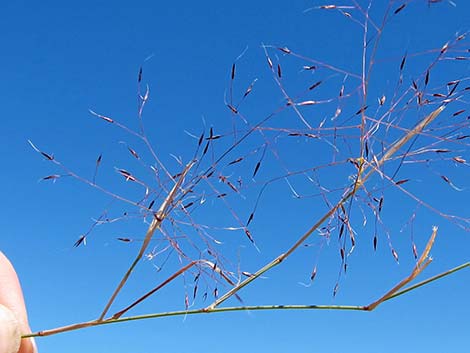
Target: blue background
point(60, 59)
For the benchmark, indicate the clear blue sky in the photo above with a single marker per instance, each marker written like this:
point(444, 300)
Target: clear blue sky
point(60, 59)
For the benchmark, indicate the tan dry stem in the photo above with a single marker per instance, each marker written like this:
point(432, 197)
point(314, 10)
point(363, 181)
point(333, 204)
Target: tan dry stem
point(422, 263)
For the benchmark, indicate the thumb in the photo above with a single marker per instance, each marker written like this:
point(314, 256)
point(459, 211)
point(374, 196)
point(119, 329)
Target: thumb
point(10, 332)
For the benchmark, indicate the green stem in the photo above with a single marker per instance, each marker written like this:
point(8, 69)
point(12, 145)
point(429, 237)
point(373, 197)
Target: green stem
point(429, 280)
point(190, 312)
point(237, 308)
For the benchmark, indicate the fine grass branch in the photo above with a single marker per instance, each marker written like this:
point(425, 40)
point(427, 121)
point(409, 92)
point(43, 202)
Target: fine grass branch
point(393, 293)
point(390, 132)
point(359, 182)
point(157, 220)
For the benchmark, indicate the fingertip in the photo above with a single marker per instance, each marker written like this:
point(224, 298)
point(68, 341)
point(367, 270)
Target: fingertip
point(35, 348)
point(13, 316)
point(11, 294)
point(10, 332)
point(28, 345)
